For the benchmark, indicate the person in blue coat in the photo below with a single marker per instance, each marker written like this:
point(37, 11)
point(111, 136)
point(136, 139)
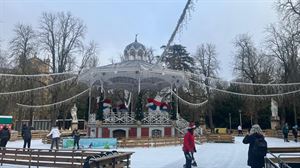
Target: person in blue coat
point(255, 159)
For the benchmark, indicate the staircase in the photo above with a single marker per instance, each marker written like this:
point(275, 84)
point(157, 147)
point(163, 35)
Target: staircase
point(181, 126)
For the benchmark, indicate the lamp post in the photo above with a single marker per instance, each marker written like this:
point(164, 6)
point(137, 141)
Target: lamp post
point(240, 111)
point(230, 123)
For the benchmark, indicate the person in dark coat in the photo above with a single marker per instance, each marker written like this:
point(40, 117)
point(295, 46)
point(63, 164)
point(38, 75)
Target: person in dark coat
point(76, 136)
point(254, 161)
point(295, 132)
point(4, 136)
point(285, 131)
point(189, 145)
point(26, 135)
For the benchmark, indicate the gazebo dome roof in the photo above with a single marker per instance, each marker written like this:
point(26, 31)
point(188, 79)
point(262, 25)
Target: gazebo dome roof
point(135, 51)
point(133, 75)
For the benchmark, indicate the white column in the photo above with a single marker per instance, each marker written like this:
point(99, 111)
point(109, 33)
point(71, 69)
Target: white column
point(90, 100)
point(127, 133)
point(100, 132)
point(139, 132)
point(172, 132)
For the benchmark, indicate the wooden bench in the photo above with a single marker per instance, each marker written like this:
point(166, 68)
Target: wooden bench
point(284, 149)
point(220, 138)
point(61, 158)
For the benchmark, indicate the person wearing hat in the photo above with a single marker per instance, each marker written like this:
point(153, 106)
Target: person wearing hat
point(189, 145)
point(257, 148)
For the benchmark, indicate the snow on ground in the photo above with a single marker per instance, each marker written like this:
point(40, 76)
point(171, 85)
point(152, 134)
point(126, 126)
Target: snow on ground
point(209, 155)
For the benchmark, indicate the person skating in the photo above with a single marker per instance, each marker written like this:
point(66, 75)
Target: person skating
point(55, 134)
point(26, 135)
point(4, 136)
point(189, 145)
point(257, 148)
point(240, 130)
point(285, 131)
point(295, 132)
point(76, 136)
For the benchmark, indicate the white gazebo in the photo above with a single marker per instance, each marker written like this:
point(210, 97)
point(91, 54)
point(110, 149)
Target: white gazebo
point(133, 74)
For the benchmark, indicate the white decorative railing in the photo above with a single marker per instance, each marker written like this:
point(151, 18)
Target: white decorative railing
point(127, 118)
point(119, 118)
point(156, 118)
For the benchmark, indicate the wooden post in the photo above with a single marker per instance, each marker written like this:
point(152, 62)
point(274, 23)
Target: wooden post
point(2, 151)
point(72, 157)
point(16, 155)
point(30, 157)
point(81, 163)
point(38, 158)
point(55, 157)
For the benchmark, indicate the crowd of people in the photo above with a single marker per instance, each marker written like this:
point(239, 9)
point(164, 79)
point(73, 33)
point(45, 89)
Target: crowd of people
point(26, 134)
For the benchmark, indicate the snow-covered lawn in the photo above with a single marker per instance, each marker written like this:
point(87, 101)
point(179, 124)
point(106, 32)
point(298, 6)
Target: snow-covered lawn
point(209, 155)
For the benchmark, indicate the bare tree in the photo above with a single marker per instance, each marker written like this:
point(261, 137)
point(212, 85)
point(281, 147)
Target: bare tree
point(151, 58)
point(289, 9)
point(90, 56)
point(283, 46)
point(23, 45)
point(4, 61)
point(282, 43)
point(61, 35)
point(252, 65)
point(207, 65)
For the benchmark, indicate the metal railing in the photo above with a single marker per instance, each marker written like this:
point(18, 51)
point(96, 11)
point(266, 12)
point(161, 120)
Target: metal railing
point(279, 162)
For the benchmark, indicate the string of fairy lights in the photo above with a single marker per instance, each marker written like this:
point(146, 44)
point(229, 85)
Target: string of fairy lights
point(172, 92)
point(56, 103)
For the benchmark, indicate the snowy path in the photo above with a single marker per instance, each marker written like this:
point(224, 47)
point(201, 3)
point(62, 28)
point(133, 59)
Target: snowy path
point(209, 155)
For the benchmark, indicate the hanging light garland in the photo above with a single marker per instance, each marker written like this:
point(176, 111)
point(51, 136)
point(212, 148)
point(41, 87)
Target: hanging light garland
point(189, 74)
point(246, 94)
point(188, 7)
point(188, 103)
point(53, 104)
point(38, 75)
point(38, 88)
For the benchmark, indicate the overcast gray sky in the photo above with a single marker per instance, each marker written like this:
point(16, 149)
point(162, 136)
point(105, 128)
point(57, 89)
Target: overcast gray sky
point(114, 23)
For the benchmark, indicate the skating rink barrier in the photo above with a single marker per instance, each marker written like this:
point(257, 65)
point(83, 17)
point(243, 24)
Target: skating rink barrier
point(64, 158)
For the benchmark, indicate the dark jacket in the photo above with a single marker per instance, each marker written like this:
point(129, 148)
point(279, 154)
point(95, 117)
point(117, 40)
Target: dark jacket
point(26, 133)
point(295, 131)
point(5, 134)
point(253, 160)
point(76, 135)
point(285, 129)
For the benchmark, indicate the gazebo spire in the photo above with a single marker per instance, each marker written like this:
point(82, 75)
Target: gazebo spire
point(136, 37)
